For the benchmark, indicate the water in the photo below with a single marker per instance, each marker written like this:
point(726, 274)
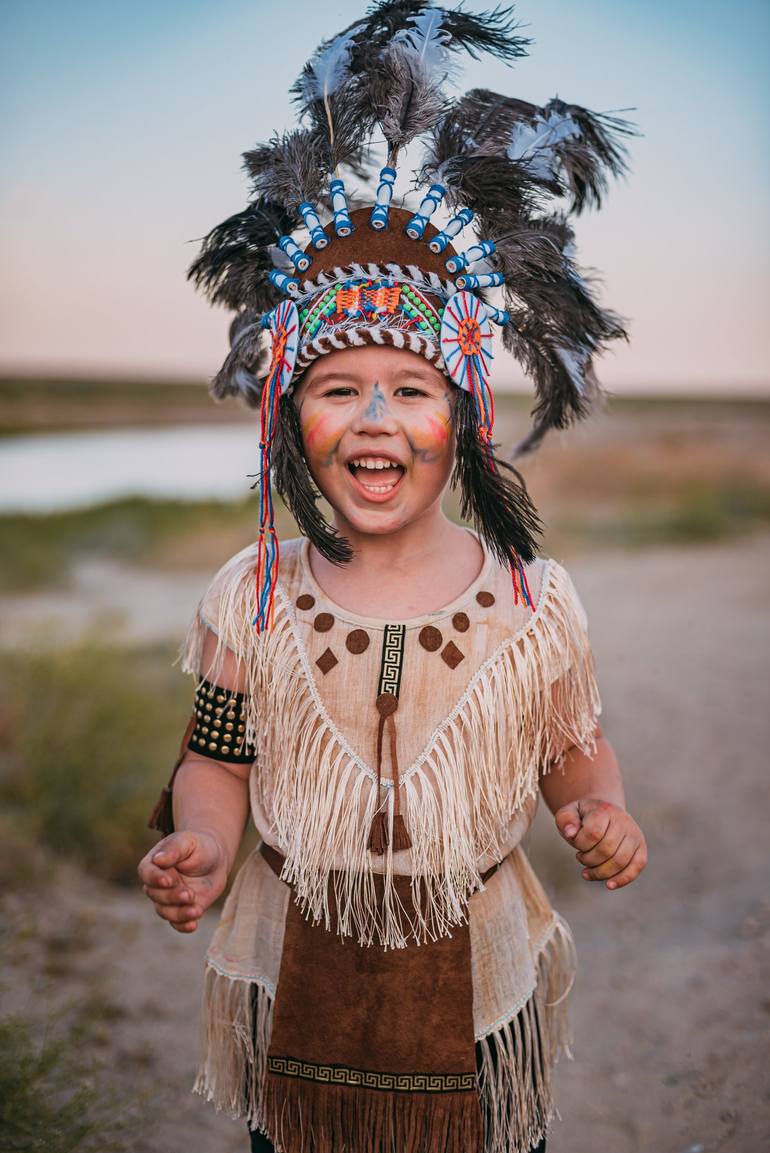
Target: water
point(54, 471)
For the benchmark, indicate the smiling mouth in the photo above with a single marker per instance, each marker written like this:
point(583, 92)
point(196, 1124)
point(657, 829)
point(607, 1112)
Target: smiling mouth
point(376, 475)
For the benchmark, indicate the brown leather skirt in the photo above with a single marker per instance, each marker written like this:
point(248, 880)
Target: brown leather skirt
point(372, 1048)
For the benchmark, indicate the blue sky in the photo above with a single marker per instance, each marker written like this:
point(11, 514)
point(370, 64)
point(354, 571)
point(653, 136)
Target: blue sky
point(122, 127)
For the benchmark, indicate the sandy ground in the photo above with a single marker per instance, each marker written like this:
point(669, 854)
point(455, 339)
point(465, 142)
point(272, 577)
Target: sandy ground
point(672, 1004)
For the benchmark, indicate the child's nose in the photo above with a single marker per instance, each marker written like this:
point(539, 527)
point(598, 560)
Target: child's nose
point(374, 413)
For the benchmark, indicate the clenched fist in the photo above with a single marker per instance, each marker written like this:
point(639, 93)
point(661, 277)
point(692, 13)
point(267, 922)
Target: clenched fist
point(610, 844)
point(182, 876)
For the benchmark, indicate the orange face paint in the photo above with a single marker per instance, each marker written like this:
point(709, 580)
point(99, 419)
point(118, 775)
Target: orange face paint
point(322, 432)
point(428, 438)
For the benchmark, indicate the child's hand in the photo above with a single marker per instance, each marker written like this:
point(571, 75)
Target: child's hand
point(611, 845)
point(182, 876)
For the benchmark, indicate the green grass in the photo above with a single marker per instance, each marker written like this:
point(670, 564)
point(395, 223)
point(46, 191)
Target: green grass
point(52, 1099)
point(39, 550)
point(698, 514)
point(89, 734)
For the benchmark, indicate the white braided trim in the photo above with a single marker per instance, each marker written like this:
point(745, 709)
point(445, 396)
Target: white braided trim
point(364, 334)
point(409, 274)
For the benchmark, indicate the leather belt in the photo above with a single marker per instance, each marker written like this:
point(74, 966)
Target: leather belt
point(276, 862)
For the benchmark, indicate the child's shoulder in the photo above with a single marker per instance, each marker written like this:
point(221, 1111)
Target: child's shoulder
point(550, 589)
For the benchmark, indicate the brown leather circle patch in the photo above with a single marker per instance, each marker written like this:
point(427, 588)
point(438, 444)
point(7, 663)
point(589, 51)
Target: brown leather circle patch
point(305, 601)
point(386, 704)
point(430, 638)
point(461, 622)
point(485, 599)
point(323, 622)
point(357, 641)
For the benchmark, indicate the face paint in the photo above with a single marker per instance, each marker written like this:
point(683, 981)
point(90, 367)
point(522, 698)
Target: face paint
point(375, 410)
point(428, 435)
point(321, 433)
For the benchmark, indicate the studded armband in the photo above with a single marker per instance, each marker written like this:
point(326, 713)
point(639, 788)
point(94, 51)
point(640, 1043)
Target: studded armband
point(220, 727)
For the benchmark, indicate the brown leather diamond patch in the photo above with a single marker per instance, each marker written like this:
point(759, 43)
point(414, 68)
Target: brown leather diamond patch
point(452, 655)
point(327, 661)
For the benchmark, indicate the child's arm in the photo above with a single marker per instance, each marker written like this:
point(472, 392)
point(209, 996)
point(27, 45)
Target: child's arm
point(188, 870)
point(585, 795)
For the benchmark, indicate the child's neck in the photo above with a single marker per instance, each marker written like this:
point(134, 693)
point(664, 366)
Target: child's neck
point(394, 576)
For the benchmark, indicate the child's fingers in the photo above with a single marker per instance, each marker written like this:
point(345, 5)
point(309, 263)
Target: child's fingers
point(612, 865)
point(176, 896)
point(631, 871)
point(174, 849)
point(568, 820)
point(181, 915)
point(608, 848)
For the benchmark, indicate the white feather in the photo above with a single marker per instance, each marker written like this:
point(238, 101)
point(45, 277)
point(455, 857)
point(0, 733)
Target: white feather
point(535, 144)
point(426, 40)
point(575, 365)
point(330, 68)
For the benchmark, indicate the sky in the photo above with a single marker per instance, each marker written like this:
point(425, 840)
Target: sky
point(120, 140)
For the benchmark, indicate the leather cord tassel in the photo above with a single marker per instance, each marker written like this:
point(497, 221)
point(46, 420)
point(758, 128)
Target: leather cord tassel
point(387, 704)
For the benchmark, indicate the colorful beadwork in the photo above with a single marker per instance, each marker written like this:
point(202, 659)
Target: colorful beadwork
point(368, 300)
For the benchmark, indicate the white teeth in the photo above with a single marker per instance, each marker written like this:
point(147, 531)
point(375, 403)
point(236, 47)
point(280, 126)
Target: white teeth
point(373, 463)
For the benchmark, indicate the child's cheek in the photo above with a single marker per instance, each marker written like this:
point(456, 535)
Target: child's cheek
point(321, 434)
point(429, 436)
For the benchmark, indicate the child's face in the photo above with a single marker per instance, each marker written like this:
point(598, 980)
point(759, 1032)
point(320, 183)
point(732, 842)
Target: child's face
point(385, 407)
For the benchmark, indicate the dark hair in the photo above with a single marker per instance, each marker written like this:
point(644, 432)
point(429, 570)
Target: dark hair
point(295, 485)
point(498, 505)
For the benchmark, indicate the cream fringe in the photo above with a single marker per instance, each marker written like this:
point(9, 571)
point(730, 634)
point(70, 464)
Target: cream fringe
point(237, 1024)
point(533, 698)
point(514, 1074)
point(518, 1058)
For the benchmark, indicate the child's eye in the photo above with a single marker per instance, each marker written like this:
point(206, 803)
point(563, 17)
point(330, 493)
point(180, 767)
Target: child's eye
point(409, 390)
point(341, 390)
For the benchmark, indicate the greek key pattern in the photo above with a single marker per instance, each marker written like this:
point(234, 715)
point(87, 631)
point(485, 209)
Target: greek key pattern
point(368, 1079)
point(392, 659)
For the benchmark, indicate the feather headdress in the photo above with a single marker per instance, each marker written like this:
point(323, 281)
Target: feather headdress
point(513, 170)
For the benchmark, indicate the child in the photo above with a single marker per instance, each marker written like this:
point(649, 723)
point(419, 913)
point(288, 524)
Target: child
point(388, 975)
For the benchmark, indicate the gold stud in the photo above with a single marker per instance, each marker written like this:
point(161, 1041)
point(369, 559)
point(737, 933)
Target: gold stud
point(228, 737)
point(221, 698)
point(213, 747)
point(231, 715)
point(204, 728)
point(229, 726)
point(217, 723)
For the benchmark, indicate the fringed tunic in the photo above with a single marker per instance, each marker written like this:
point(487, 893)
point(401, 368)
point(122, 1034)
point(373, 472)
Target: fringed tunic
point(346, 989)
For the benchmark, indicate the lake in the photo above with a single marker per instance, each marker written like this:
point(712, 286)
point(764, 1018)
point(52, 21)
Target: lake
point(46, 472)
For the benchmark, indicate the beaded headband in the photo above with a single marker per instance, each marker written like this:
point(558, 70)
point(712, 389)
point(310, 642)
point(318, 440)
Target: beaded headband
point(389, 275)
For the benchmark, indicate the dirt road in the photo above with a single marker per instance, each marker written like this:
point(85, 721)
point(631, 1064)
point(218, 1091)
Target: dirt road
point(671, 1008)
